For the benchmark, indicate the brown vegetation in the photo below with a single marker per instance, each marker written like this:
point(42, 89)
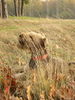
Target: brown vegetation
point(38, 84)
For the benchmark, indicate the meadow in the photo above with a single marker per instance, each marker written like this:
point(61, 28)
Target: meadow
point(60, 36)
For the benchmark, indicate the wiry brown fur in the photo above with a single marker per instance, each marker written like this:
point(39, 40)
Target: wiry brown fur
point(34, 42)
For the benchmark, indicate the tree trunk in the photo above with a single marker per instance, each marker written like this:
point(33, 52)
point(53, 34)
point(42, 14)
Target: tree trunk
point(22, 6)
point(0, 10)
point(4, 11)
point(19, 7)
point(57, 9)
point(47, 9)
point(15, 7)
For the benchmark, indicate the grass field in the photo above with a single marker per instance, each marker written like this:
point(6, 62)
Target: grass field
point(60, 36)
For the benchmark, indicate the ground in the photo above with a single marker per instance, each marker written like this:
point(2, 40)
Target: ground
point(60, 36)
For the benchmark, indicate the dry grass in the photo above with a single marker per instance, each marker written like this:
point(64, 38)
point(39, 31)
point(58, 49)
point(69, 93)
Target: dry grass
point(61, 43)
point(60, 34)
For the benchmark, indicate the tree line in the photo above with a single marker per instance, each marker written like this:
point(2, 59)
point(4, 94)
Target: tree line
point(18, 7)
point(38, 8)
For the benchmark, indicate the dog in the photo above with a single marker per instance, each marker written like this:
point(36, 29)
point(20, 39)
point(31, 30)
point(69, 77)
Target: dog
point(36, 44)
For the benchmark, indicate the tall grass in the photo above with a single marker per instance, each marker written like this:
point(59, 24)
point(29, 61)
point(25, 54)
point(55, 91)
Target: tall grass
point(61, 44)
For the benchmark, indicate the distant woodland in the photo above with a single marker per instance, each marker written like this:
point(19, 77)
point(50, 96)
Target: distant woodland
point(38, 8)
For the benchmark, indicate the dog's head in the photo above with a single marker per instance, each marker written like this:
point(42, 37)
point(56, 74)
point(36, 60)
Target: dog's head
point(22, 41)
point(31, 41)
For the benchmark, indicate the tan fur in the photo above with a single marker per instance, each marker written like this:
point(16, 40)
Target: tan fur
point(31, 40)
point(34, 42)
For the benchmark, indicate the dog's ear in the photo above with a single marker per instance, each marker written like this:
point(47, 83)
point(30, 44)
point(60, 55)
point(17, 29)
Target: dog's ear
point(21, 40)
point(42, 42)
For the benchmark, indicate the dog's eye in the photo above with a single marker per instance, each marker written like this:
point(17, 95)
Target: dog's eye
point(21, 35)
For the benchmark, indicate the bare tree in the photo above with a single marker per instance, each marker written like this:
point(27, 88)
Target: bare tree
point(57, 9)
point(4, 11)
point(47, 9)
point(19, 7)
point(22, 6)
point(0, 8)
point(15, 7)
